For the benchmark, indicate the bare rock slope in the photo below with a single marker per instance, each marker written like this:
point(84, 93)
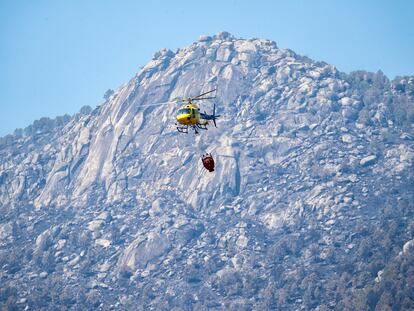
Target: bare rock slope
point(309, 207)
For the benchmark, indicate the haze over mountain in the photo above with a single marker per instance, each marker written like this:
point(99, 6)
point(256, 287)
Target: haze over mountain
point(310, 206)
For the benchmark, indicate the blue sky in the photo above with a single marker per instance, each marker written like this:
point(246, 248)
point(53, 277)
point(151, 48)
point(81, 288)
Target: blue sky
point(56, 56)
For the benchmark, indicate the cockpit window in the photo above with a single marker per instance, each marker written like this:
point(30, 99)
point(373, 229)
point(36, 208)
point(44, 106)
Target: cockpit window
point(184, 111)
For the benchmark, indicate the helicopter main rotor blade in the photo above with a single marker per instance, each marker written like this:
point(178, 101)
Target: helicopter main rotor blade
point(159, 104)
point(203, 98)
point(204, 93)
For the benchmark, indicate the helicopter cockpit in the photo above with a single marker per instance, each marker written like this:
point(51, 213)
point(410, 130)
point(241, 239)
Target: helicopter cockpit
point(184, 111)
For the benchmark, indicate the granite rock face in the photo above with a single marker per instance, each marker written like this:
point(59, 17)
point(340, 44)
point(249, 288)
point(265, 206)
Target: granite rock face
point(112, 208)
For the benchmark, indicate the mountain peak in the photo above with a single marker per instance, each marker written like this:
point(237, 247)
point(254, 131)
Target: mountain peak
point(224, 35)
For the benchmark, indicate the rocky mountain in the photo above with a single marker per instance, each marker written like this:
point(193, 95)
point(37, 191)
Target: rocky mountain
point(310, 206)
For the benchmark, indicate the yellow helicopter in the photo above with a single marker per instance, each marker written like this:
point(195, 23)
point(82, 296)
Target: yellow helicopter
point(189, 115)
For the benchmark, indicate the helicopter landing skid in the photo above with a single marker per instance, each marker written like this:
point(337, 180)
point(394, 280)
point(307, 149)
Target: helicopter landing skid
point(182, 129)
point(201, 126)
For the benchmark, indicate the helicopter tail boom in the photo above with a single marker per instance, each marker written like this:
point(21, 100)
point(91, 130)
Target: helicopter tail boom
point(212, 117)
